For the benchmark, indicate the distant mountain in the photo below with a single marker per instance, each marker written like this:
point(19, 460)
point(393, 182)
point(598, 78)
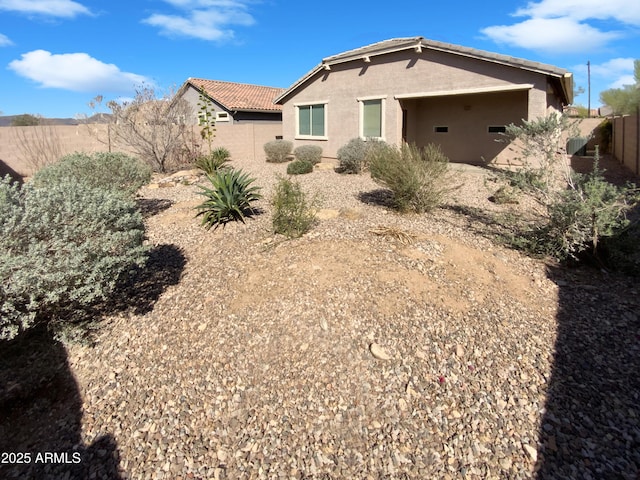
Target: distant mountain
point(5, 121)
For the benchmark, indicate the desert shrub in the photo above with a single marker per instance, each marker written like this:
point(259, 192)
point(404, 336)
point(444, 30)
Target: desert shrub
point(229, 199)
point(216, 159)
point(352, 157)
point(590, 210)
point(309, 153)
point(63, 247)
point(417, 177)
point(278, 151)
point(293, 214)
point(101, 170)
point(299, 167)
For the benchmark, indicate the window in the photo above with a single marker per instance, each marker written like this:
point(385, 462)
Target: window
point(441, 129)
point(311, 120)
point(496, 129)
point(222, 117)
point(372, 118)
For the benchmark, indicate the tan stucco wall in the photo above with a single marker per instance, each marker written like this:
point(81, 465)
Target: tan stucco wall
point(626, 142)
point(242, 140)
point(402, 73)
point(467, 117)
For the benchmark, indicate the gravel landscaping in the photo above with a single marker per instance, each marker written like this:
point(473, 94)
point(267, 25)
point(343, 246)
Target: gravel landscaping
point(376, 346)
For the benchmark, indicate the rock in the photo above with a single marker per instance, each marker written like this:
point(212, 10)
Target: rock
point(350, 213)
point(222, 456)
point(459, 351)
point(327, 213)
point(532, 452)
point(378, 352)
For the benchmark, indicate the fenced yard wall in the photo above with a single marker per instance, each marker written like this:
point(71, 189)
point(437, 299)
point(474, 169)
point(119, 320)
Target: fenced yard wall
point(626, 141)
point(242, 140)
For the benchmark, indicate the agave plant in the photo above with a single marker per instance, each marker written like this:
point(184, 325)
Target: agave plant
point(229, 199)
point(217, 158)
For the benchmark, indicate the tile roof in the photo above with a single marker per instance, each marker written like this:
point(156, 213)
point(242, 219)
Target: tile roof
point(419, 43)
point(240, 96)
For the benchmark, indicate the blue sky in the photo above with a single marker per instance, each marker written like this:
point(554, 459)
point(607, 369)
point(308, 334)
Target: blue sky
point(56, 55)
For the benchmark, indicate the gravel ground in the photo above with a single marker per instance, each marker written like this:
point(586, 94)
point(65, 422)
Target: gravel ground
point(345, 354)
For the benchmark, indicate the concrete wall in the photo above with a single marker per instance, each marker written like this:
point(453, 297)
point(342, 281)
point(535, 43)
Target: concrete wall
point(243, 140)
point(404, 73)
point(626, 141)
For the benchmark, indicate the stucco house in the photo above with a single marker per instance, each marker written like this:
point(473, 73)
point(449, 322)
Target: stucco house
point(233, 102)
point(421, 91)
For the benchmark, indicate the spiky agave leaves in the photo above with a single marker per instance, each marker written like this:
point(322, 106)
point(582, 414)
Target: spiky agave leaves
point(229, 199)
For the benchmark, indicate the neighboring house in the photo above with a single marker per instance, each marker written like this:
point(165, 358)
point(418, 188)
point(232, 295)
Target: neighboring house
point(233, 102)
point(421, 91)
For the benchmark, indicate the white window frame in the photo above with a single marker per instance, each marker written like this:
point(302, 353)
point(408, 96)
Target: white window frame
point(383, 101)
point(225, 118)
point(297, 106)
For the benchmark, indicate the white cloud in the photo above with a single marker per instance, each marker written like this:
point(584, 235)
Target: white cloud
point(616, 73)
point(561, 35)
point(624, 11)
point(77, 72)
point(54, 8)
point(5, 41)
point(563, 26)
point(203, 19)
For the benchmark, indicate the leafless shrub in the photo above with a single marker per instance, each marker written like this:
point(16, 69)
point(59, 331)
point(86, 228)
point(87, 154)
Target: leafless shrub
point(152, 127)
point(38, 145)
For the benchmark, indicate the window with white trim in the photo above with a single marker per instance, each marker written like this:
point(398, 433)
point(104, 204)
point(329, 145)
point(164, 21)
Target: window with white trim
point(311, 120)
point(222, 117)
point(372, 118)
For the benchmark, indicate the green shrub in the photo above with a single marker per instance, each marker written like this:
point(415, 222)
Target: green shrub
point(103, 170)
point(309, 153)
point(278, 151)
point(590, 210)
point(417, 177)
point(299, 167)
point(293, 214)
point(215, 160)
point(352, 157)
point(63, 247)
point(230, 198)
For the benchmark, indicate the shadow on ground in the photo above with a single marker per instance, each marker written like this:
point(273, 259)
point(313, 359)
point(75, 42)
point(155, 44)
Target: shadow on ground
point(41, 413)
point(381, 197)
point(40, 404)
point(591, 426)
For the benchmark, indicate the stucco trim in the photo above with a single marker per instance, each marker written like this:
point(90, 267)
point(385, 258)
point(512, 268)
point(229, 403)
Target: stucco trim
point(465, 91)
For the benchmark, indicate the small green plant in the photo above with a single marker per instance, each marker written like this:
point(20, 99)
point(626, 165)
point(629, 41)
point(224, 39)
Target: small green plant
point(217, 158)
point(309, 153)
point(293, 214)
point(417, 177)
point(299, 167)
point(63, 247)
point(113, 171)
point(229, 199)
point(278, 151)
point(352, 157)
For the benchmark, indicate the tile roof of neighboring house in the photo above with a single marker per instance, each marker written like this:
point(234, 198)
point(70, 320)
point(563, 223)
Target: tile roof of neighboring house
point(240, 96)
point(419, 43)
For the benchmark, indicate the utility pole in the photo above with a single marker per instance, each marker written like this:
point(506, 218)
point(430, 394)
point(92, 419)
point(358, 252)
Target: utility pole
point(589, 83)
